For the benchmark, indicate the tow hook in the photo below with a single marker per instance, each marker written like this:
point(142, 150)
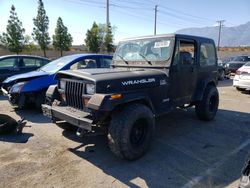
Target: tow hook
point(81, 132)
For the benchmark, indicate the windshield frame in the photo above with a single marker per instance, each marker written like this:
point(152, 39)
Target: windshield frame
point(143, 63)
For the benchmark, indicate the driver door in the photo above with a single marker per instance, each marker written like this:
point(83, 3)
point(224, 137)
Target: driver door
point(184, 72)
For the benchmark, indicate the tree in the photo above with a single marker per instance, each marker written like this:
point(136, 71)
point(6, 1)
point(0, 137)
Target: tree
point(62, 40)
point(40, 31)
point(108, 40)
point(93, 40)
point(101, 34)
point(29, 44)
point(13, 39)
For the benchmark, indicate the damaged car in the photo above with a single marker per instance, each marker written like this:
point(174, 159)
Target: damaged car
point(30, 88)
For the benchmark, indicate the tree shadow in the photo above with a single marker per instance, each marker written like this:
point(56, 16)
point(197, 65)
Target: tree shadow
point(183, 149)
point(16, 138)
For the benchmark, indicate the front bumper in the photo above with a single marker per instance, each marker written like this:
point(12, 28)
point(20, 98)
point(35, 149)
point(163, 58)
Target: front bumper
point(5, 92)
point(240, 83)
point(75, 117)
point(15, 99)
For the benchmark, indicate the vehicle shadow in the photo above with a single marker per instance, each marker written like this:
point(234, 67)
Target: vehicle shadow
point(225, 83)
point(184, 151)
point(16, 138)
point(32, 115)
point(247, 92)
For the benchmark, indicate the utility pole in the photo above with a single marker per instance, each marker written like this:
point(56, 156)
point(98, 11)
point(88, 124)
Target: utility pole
point(107, 14)
point(220, 26)
point(156, 10)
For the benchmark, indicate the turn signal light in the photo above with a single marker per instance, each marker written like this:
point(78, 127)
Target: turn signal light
point(115, 96)
point(85, 101)
point(63, 96)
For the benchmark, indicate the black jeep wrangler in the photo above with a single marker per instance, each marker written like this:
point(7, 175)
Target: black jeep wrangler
point(150, 76)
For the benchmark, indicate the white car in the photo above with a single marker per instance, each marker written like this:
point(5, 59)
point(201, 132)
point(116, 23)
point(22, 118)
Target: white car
point(242, 78)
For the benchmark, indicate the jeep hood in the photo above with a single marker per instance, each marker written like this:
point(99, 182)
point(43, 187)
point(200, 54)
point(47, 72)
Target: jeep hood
point(25, 76)
point(113, 80)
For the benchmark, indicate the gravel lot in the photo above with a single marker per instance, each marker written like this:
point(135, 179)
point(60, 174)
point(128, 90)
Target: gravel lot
point(185, 152)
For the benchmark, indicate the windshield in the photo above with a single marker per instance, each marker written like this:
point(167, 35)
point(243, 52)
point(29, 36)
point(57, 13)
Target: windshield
point(57, 64)
point(154, 49)
point(241, 58)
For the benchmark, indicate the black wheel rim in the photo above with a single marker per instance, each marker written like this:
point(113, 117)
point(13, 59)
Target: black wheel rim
point(212, 103)
point(138, 133)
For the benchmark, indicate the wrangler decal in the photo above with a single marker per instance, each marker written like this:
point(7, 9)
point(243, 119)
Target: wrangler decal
point(134, 82)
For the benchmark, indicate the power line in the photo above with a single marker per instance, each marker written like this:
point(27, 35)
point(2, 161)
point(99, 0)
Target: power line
point(187, 14)
point(135, 2)
point(180, 18)
point(86, 3)
point(128, 7)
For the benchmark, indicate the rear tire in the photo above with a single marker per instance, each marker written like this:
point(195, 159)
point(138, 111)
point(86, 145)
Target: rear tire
point(206, 109)
point(131, 131)
point(240, 89)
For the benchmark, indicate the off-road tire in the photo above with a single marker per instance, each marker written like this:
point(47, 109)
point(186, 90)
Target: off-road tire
point(135, 120)
point(206, 109)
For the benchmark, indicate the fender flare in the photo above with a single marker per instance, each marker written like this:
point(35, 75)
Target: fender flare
point(52, 93)
point(103, 102)
point(201, 88)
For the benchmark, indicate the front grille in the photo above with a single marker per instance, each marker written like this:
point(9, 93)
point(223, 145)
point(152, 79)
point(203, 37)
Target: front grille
point(73, 93)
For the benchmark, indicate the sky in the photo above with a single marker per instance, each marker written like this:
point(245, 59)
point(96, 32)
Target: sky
point(130, 17)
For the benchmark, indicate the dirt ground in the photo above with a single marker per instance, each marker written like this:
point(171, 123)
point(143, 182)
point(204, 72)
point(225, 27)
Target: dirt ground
point(185, 152)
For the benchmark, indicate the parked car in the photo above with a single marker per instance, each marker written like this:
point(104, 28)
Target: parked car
point(31, 87)
point(228, 59)
point(242, 78)
point(16, 64)
point(236, 63)
point(222, 71)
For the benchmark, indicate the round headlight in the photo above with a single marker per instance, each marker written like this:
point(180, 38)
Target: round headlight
point(90, 89)
point(62, 84)
point(17, 87)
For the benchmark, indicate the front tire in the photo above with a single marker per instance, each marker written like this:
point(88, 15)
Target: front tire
point(207, 108)
point(131, 131)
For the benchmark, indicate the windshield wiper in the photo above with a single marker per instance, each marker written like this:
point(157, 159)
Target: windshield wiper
point(122, 59)
point(149, 62)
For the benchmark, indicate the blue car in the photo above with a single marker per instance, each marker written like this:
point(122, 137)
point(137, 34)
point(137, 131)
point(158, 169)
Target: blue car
point(30, 88)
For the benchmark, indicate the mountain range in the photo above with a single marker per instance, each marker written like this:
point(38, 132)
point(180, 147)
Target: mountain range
point(230, 36)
